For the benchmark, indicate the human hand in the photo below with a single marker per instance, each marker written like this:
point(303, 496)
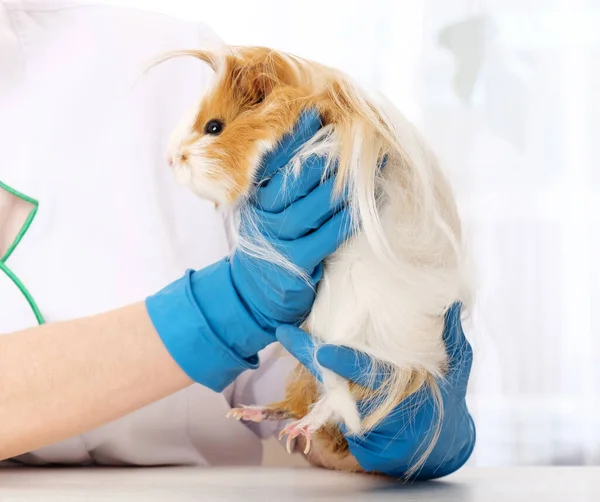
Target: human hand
point(297, 218)
point(215, 320)
point(400, 439)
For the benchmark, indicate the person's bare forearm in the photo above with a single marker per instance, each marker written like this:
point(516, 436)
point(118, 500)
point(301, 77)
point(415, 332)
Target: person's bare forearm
point(61, 379)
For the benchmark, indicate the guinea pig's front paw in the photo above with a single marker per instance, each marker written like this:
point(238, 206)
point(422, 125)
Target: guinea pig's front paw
point(258, 413)
point(248, 413)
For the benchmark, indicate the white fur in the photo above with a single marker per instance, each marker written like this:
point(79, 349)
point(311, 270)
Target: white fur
point(199, 170)
point(386, 291)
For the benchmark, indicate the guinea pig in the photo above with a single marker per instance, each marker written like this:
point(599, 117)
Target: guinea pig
point(386, 291)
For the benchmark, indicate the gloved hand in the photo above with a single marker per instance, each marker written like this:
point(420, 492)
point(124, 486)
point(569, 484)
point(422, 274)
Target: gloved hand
point(215, 320)
point(398, 441)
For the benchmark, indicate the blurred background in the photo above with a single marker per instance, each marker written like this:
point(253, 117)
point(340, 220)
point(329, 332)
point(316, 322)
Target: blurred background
point(508, 93)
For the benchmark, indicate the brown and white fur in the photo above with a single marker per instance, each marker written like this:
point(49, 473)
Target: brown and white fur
point(386, 290)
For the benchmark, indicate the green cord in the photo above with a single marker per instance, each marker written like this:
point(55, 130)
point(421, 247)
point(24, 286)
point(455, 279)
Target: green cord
point(4, 268)
point(24, 291)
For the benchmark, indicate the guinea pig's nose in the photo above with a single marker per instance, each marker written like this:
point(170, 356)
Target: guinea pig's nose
point(170, 161)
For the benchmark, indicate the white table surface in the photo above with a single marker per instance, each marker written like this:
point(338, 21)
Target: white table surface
point(176, 484)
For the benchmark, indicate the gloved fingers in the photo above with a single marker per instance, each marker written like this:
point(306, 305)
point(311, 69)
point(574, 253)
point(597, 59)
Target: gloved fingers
point(310, 250)
point(307, 126)
point(353, 365)
point(300, 344)
point(459, 350)
point(284, 188)
point(317, 274)
point(452, 325)
point(303, 216)
point(350, 364)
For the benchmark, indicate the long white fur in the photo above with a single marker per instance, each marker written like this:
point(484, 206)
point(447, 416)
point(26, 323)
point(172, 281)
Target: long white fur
point(386, 290)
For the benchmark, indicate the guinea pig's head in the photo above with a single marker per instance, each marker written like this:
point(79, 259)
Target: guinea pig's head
point(255, 99)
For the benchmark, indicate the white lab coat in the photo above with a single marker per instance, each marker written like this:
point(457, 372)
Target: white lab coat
point(82, 133)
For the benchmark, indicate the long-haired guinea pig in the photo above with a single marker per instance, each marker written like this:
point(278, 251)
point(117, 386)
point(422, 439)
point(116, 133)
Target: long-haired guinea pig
point(386, 291)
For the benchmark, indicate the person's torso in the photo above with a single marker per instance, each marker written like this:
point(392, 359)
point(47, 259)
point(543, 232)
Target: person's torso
point(85, 140)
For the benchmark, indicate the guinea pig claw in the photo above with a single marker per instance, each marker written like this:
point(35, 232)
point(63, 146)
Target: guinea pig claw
point(291, 434)
point(293, 431)
point(234, 413)
point(308, 445)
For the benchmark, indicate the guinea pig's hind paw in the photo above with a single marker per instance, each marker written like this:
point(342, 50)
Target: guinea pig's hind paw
point(294, 430)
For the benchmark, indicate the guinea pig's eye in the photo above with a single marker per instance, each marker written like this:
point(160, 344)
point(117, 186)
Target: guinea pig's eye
point(213, 127)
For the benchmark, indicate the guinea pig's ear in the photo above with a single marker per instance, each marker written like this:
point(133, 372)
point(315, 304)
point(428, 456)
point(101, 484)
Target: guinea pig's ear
point(253, 84)
point(262, 80)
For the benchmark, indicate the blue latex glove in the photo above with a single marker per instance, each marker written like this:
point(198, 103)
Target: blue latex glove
point(215, 320)
point(392, 446)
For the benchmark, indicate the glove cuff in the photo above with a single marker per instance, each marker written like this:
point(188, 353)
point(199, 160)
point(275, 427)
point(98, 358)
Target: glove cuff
point(184, 326)
point(228, 316)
